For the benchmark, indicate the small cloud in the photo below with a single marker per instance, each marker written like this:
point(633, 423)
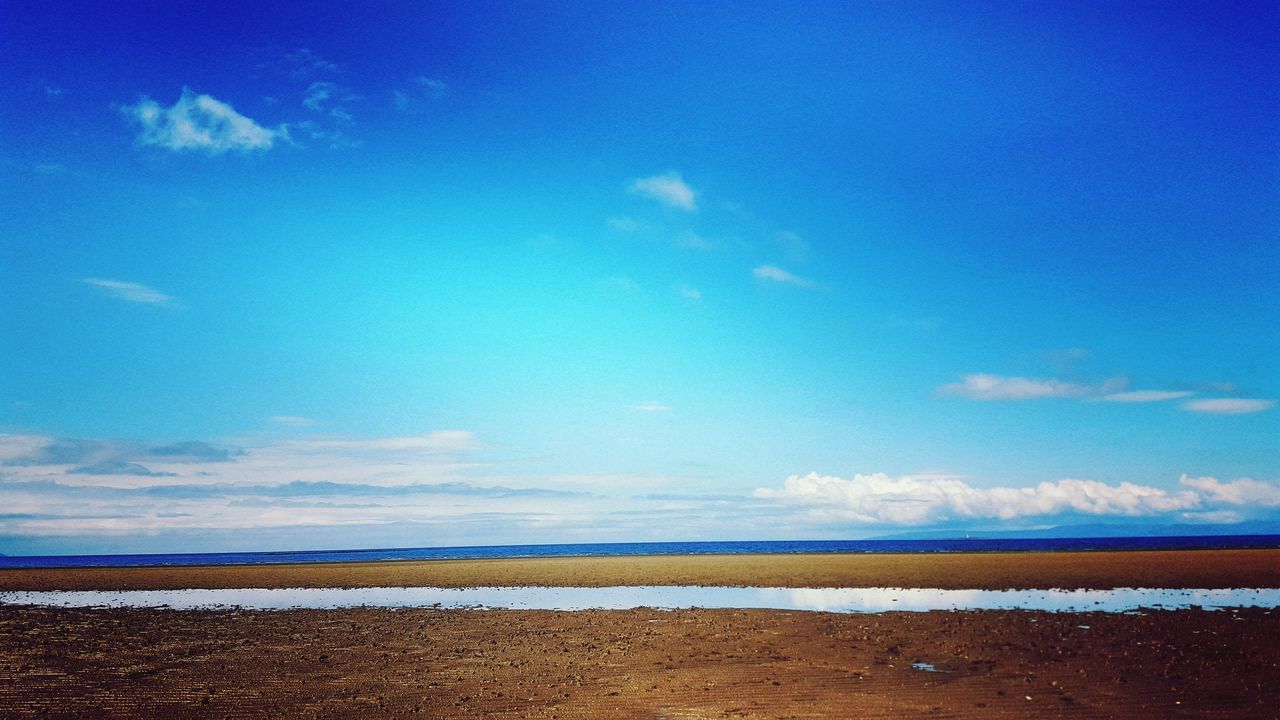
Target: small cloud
point(292, 420)
point(777, 274)
point(1228, 406)
point(435, 441)
point(200, 123)
point(669, 189)
point(651, 407)
point(322, 94)
point(336, 139)
point(421, 88)
point(1213, 517)
point(794, 247)
point(691, 240)
point(118, 467)
point(980, 386)
point(692, 294)
point(192, 451)
point(624, 224)
point(51, 90)
point(302, 64)
point(1146, 396)
point(132, 292)
point(431, 87)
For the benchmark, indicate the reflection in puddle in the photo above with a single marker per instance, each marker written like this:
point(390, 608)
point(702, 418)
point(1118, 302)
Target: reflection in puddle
point(925, 667)
point(842, 600)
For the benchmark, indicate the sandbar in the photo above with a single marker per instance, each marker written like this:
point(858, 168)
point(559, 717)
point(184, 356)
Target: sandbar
point(1259, 568)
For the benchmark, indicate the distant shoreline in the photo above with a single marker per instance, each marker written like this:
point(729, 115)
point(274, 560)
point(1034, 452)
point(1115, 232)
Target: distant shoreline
point(1258, 568)
point(974, 544)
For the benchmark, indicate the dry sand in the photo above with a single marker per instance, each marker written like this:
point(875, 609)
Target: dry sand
point(1153, 569)
point(653, 664)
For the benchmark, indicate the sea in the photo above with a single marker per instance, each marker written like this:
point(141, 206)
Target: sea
point(747, 547)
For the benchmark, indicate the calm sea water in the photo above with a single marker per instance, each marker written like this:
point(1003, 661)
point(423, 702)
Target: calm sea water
point(654, 548)
point(841, 600)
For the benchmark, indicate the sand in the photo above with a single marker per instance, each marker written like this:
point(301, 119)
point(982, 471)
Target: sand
point(1100, 570)
point(654, 664)
point(637, 664)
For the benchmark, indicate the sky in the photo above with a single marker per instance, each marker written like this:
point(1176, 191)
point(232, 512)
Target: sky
point(391, 274)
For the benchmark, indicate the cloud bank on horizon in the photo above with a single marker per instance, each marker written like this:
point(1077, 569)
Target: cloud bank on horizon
point(666, 288)
point(434, 489)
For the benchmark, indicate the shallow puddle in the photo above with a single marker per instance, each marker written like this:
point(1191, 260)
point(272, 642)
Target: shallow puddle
point(842, 600)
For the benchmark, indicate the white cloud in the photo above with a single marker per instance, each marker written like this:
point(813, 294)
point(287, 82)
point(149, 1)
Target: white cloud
point(436, 441)
point(322, 96)
point(777, 274)
point(200, 123)
point(1242, 491)
point(651, 407)
point(22, 447)
point(1146, 396)
point(132, 292)
point(689, 293)
point(420, 88)
point(794, 247)
point(431, 87)
point(981, 386)
point(921, 500)
point(669, 189)
point(624, 224)
point(1228, 406)
point(318, 94)
point(301, 64)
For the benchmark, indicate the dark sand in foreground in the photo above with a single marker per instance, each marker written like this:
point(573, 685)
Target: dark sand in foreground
point(1153, 569)
point(654, 664)
point(637, 664)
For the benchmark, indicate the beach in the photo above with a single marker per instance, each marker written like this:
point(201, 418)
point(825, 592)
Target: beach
point(645, 663)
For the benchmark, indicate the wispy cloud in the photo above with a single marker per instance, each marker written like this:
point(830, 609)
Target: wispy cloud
point(878, 499)
point(651, 407)
point(1146, 396)
point(689, 293)
point(669, 189)
point(200, 123)
point(419, 90)
point(302, 64)
point(777, 274)
point(624, 224)
point(982, 386)
point(292, 420)
point(132, 292)
point(1229, 406)
point(794, 247)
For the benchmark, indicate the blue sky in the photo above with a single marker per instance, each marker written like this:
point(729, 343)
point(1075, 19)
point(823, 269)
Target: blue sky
point(470, 273)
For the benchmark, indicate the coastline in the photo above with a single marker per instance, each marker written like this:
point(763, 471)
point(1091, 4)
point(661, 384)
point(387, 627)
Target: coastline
point(645, 663)
point(992, 571)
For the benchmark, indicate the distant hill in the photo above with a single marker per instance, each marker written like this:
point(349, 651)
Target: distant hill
point(1096, 530)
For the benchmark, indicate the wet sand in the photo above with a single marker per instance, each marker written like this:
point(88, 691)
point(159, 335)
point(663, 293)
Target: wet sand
point(648, 663)
point(1094, 570)
point(637, 664)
